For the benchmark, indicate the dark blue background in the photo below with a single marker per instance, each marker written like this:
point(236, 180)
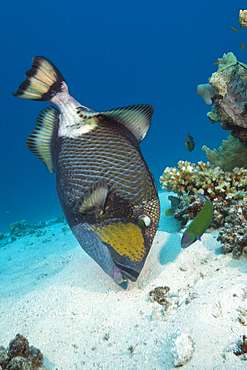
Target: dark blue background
point(112, 54)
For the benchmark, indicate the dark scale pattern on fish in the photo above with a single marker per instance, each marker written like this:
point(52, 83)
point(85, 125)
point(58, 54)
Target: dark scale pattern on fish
point(103, 153)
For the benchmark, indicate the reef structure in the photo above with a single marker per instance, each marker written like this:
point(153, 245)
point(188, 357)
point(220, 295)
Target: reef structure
point(227, 90)
point(22, 228)
point(205, 179)
point(243, 18)
point(226, 190)
point(231, 154)
point(233, 234)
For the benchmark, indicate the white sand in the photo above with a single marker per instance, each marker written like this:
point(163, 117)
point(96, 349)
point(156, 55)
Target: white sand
point(65, 305)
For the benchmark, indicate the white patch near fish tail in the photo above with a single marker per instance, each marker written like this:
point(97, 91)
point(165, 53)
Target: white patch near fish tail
point(44, 82)
point(69, 119)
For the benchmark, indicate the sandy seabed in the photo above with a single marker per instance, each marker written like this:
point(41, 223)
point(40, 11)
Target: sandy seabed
point(65, 305)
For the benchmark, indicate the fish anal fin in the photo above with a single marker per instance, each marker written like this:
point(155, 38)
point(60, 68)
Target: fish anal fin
point(93, 200)
point(39, 142)
point(136, 118)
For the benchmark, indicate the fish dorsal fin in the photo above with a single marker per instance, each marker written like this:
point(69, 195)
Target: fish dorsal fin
point(93, 200)
point(39, 141)
point(136, 118)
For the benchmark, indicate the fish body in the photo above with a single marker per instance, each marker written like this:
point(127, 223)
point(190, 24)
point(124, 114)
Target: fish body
point(169, 212)
point(199, 225)
point(234, 29)
point(189, 143)
point(106, 190)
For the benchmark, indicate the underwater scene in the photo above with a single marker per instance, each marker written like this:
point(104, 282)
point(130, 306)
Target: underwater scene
point(127, 247)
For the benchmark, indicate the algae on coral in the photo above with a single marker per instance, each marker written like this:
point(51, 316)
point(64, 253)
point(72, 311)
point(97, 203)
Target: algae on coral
point(227, 60)
point(213, 115)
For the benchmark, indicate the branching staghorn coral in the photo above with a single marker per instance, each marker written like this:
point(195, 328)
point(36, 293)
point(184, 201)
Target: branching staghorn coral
point(204, 179)
point(231, 154)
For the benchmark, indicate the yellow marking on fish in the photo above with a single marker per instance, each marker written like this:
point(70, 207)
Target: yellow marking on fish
point(243, 46)
point(215, 63)
point(126, 239)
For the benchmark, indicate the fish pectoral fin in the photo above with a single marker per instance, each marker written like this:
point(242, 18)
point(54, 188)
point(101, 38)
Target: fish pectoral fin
point(40, 139)
point(93, 200)
point(136, 118)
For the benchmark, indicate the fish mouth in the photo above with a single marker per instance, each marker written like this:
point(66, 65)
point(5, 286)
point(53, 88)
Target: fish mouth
point(127, 271)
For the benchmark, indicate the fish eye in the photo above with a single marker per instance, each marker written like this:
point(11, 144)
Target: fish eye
point(144, 221)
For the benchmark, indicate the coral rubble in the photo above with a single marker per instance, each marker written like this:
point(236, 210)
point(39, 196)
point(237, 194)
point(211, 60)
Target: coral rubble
point(20, 356)
point(160, 295)
point(22, 228)
point(239, 348)
point(182, 349)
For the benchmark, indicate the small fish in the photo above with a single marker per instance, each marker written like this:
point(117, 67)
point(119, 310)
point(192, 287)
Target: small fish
point(234, 29)
point(243, 46)
point(215, 63)
point(169, 212)
point(106, 190)
point(189, 143)
point(199, 225)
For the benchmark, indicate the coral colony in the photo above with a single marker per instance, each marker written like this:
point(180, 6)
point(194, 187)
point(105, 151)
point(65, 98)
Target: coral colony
point(20, 356)
point(204, 179)
point(227, 90)
point(223, 180)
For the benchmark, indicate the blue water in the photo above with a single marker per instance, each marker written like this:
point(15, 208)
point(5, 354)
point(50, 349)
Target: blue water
point(112, 54)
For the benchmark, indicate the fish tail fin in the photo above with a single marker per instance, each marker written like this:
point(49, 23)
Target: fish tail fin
point(43, 81)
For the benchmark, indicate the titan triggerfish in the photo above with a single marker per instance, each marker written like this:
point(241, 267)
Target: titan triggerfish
point(105, 188)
